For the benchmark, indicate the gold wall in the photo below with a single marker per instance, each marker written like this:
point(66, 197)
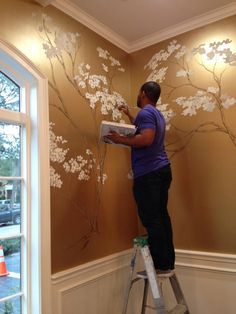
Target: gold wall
point(196, 71)
point(92, 209)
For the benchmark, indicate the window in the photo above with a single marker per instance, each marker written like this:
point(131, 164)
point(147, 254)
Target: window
point(24, 187)
point(11, 181)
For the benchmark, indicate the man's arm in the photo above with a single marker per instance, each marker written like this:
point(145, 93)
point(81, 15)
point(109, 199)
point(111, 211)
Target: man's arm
point(145, 138)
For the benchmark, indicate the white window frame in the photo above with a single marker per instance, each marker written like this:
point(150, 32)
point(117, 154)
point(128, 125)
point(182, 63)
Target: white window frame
point(36, 172)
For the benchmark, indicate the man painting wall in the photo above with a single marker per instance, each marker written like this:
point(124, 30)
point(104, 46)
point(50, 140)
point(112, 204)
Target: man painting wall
point(152, 174)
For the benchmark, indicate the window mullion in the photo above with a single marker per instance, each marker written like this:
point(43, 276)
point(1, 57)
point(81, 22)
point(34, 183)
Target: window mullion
point(10, 297)
point(12, 178)
point(11, 236)
point(25, 214)
point(13, 117)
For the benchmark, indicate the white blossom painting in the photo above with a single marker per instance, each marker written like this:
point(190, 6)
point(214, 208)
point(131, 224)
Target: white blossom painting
point(212, 60)
point(95, 94)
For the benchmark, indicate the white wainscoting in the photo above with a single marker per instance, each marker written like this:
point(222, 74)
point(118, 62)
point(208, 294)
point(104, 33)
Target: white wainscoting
point(208, 281)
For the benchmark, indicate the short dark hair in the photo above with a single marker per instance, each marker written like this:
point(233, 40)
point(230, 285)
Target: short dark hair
point(152, 90)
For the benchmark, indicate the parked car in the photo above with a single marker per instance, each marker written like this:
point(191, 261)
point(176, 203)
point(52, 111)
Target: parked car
point(4, 202)
point(10, 214)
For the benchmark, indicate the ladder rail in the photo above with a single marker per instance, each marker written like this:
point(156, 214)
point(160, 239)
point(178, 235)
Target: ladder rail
point(178, 292)
point(145, 295)
point(152, 279)
point(130, 281)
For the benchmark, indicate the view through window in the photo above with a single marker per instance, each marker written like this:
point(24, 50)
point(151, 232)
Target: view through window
point(11, 201)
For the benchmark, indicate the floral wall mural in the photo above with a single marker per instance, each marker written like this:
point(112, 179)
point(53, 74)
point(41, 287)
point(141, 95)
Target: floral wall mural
point(98, 97)
point(196, 71)
point(95, 92)
point(92, 209)
point(213, 60)
point(93, 213)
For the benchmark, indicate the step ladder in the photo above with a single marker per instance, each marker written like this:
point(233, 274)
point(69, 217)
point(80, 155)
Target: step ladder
point(154, 281)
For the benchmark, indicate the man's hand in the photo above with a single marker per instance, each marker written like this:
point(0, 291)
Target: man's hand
point(124, 108)
point(114, 137)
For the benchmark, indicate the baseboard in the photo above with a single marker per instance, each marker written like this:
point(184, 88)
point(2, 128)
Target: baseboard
point(103, 281)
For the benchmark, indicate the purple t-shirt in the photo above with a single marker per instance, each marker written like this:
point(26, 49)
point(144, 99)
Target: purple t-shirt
point(149, 158)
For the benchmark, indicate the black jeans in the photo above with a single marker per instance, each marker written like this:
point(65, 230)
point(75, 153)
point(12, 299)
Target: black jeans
point(151, 196)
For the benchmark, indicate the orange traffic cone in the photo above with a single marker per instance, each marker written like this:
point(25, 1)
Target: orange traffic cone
point(3, 268)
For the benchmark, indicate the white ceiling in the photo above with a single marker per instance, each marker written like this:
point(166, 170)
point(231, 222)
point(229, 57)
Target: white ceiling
point(135, 22)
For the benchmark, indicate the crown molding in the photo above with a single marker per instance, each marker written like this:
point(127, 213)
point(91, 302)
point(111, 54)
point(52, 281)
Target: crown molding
point(183, 27)
point(75, 12)
point(84, 18)
point(44, 3)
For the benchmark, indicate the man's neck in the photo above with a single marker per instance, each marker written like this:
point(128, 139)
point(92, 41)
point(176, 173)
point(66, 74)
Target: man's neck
point(147, 103)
